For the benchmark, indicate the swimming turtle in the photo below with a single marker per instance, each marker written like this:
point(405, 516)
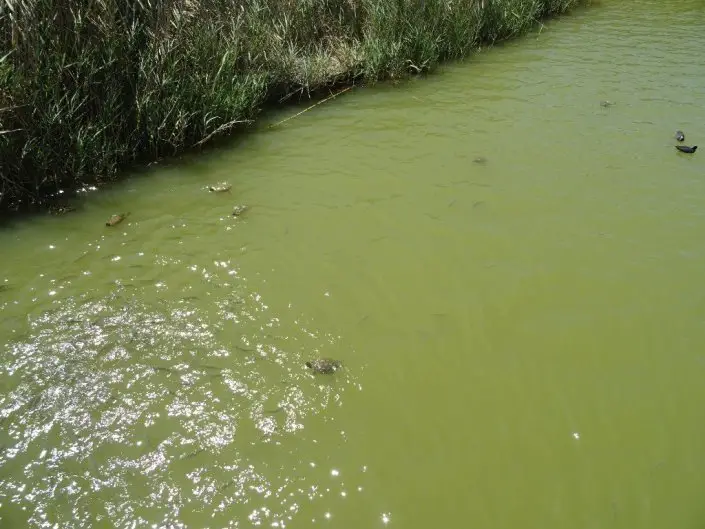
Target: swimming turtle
point(686, 149)
point(680, 136)
point(239, 210)
point(116, 219)
point(220, 188)
point(324, 366)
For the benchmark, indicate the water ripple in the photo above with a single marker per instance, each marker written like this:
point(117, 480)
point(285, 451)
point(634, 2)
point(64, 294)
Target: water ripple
point(114, 395)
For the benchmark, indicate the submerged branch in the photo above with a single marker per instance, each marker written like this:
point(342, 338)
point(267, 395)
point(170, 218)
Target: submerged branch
point(312, 106)
point(223, 128)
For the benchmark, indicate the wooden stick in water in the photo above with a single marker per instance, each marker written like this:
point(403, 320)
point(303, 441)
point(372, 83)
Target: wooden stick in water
point(309, 108)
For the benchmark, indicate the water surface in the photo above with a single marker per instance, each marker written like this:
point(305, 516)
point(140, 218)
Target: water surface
point(523, 338)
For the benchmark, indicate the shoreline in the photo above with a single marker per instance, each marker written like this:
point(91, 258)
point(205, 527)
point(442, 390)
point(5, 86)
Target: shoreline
point(66, 129)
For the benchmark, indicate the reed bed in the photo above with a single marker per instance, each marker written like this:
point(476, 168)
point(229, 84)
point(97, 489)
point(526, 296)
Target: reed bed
point(88, 87)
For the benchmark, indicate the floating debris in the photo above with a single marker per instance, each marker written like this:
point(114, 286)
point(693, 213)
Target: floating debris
point(61, 209)
point(220, 188)
point(239, 210)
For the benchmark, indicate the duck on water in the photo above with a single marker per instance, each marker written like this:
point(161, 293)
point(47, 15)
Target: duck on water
point(686, 149)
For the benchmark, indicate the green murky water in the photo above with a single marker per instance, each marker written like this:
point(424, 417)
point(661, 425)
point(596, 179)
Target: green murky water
point(523, 339)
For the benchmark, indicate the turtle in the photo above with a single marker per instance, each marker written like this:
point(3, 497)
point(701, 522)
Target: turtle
point(220, 188)
point(680, 136)
point(324, 366)
point(239, 210)
point(686, 149)
point(116, 219)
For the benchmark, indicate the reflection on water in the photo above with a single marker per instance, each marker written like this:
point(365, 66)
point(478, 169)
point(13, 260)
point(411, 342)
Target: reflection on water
point(163, 406)
point(509, 271)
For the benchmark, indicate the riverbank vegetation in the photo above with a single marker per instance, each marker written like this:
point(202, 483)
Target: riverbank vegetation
point(88, 87)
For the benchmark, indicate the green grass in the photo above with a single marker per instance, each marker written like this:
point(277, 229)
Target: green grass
point(88, 87)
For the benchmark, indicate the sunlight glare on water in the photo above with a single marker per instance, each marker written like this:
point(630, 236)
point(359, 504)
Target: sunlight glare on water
point(509, 272)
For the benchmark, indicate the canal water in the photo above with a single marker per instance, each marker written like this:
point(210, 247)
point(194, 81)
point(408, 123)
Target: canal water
point(510, 272)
